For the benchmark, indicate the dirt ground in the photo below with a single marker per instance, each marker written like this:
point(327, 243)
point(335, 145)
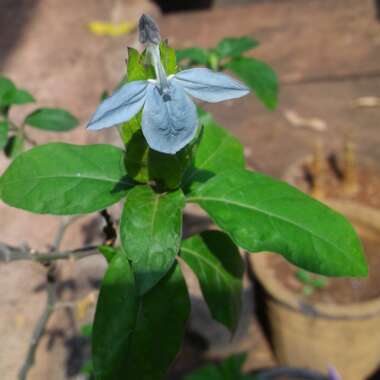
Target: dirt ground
point(326, 54)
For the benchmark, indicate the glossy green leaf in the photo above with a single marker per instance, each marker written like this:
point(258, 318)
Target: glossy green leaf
point(193, 55)
point(235, 46)
point(4, 128)
point(259, 77)
point(66, 179)
point(150, 232)
point(264, 214)
point(52, 119)
point(217, 263)
point(138, 338)
point(218, 151)
point(14, 146)
point(115, 319)
point(159, 329)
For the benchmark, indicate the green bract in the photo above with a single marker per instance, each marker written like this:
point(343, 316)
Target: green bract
point(143, 303)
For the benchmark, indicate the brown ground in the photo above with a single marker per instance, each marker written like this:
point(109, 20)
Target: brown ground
point(326, 53)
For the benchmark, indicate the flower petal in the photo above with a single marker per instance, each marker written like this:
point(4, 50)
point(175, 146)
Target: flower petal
point(169, 121)
point(121, 106)
point(209, 85)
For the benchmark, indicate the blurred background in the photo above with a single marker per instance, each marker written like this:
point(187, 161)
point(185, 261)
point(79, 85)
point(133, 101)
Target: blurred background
point(327, 57)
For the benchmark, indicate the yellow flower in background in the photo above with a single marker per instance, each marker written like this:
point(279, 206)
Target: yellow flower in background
point(101, 28)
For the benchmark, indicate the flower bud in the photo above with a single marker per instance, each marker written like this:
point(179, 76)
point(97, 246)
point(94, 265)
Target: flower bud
point(149, 33)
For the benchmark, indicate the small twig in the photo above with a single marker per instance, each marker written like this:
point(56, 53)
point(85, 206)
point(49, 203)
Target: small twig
point(9, 253)
point(64, 224)
point(41, 324)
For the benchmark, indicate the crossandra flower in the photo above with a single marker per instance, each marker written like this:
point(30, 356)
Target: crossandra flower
point(169, 116)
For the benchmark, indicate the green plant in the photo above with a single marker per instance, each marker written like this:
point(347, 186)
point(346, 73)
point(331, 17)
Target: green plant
point(310, 282)
point(13, 136)
point(143, 305)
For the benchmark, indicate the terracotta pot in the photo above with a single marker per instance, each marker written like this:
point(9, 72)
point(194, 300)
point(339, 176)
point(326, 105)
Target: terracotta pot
point(315, 335)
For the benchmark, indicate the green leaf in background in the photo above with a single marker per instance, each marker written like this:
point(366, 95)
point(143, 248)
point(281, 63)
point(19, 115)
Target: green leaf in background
point(229, 369)
point(52, 119)
point(4, 128)
point(65, 179)
point(14, 146)
point(264, 214)
point(18, 97)
point(6, 87)
point(218, 151)
point(260, 77)
point(10, 95)
point(194, 55)
point(115, 319)
point(150, 232)
point(216, 261)
point(138, 338)
point(235, 46)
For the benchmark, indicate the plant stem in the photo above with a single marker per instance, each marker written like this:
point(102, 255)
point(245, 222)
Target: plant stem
point(41, 324)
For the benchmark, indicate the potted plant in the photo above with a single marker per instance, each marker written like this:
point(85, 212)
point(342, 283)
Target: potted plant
point(313, 321)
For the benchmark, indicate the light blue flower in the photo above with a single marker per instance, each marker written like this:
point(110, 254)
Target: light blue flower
point(169, 117)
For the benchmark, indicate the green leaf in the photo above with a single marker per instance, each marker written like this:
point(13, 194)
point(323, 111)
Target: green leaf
point(52, 119)
point(167, 170)
point(150, 232)
point(17, 97)
point(194, 55)
point(86, 330)
point(235, 46)
point(145, 164)
point(115, 320)
point(6, 87)
point(9, 94)
point(228, 369)
point(136, 158)
point(65, 179)
point(4, 128)
point(260, 77)
point(109, 252)
point(264, 214)
point(138, 338)
point(135, 69)
point(168, 58)
point(14, 146)
point(216, 261)
point(218, 151)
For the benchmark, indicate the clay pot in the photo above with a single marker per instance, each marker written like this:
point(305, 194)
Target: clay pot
point(315, 335)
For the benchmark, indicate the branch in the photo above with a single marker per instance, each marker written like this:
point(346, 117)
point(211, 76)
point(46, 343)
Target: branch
point(41, 324)
point(9, 253)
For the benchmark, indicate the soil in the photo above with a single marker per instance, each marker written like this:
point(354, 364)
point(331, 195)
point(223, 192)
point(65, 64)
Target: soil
point(366, 189)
